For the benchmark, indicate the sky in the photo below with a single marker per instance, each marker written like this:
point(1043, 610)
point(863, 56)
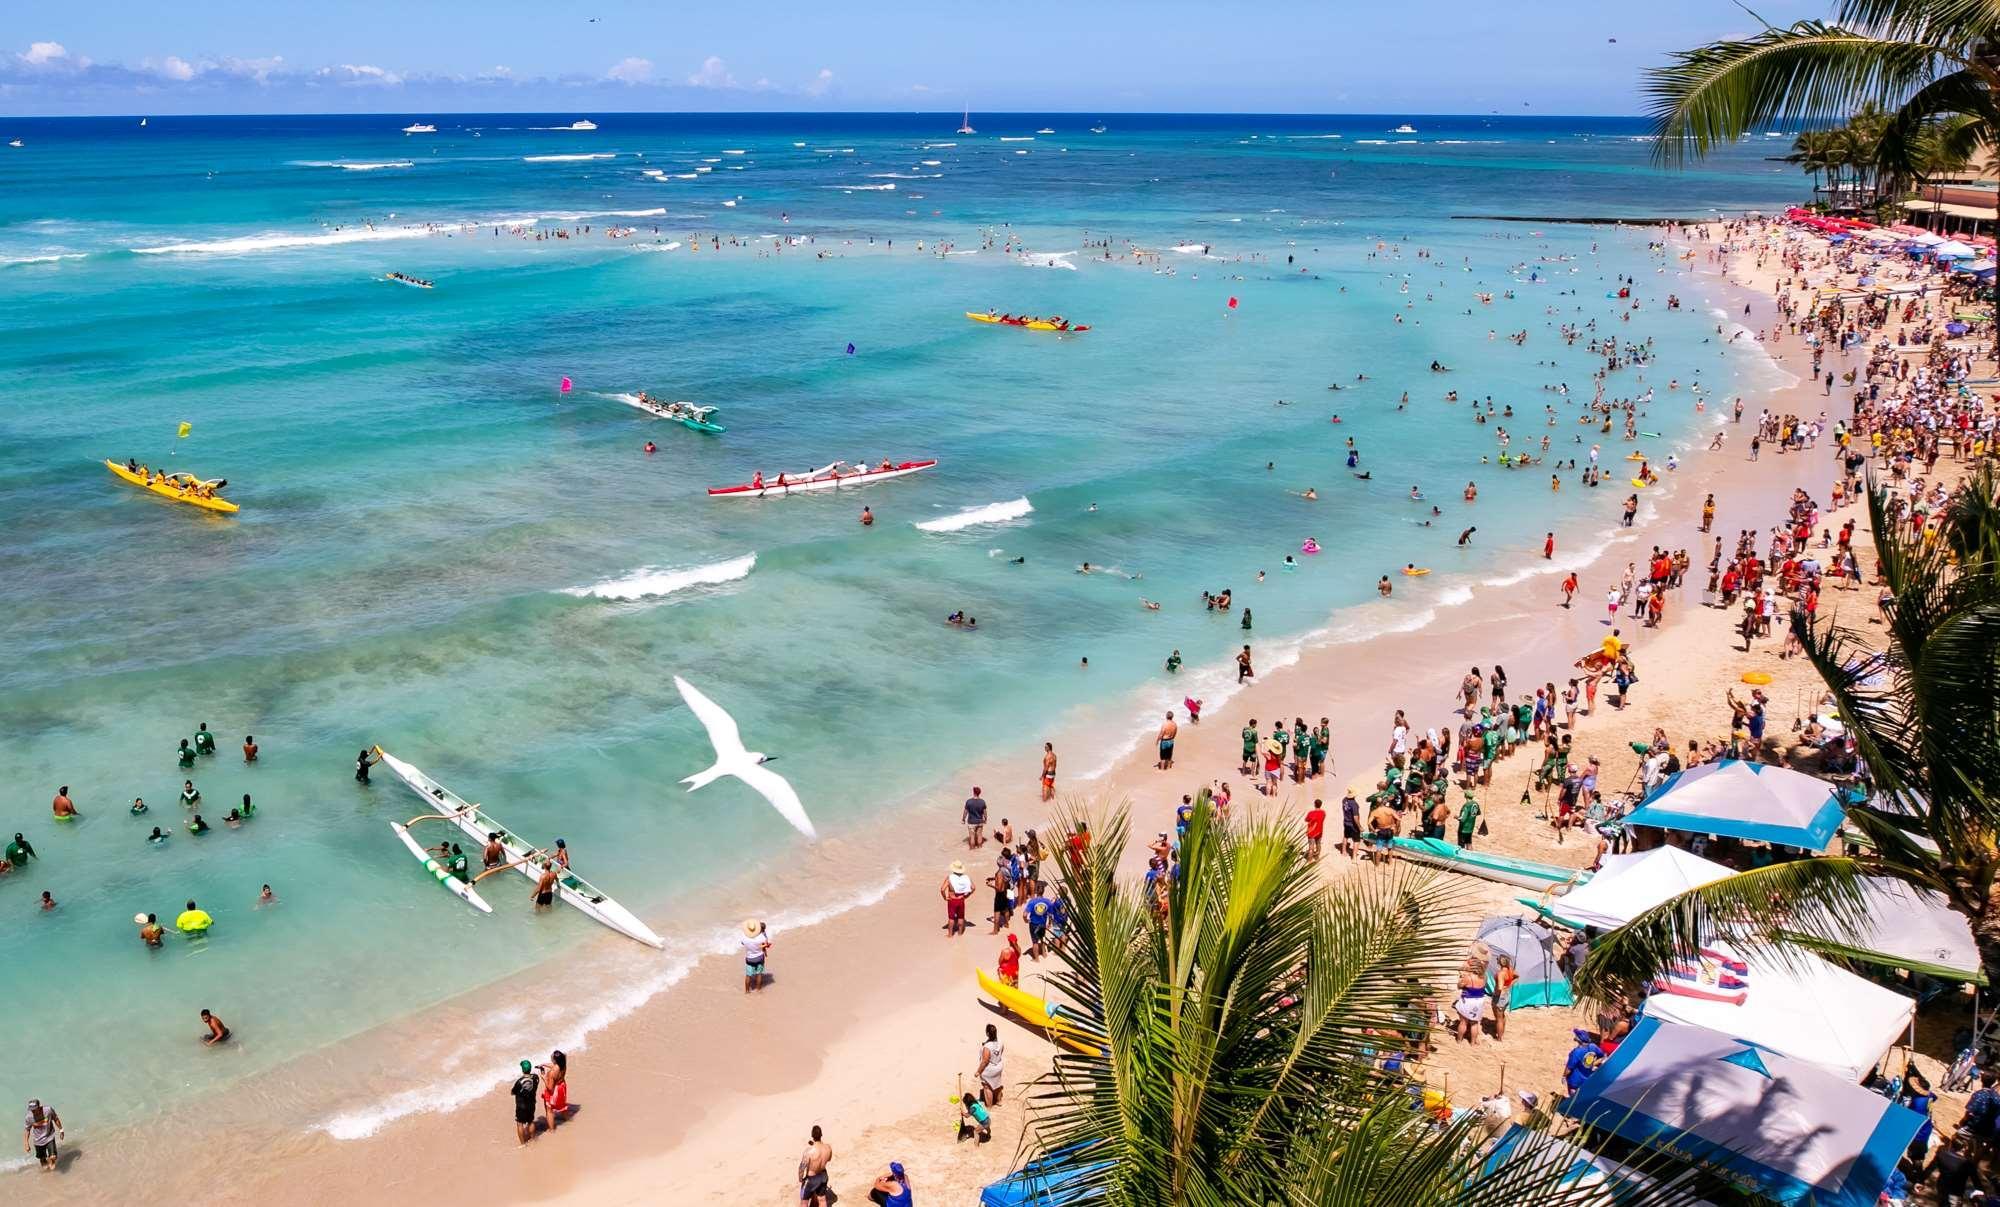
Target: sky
point(437, 56)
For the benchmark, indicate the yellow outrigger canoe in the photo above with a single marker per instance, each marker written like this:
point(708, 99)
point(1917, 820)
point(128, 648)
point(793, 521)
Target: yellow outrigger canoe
point(1028, 324)
point(1040, 1012)
point(177, 487)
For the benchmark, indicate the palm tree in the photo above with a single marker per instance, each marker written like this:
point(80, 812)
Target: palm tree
point(1921, 60)
point(1923, 710)
point(1245, 1039)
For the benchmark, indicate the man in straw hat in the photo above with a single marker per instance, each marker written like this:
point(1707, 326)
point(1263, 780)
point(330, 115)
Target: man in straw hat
point(756, 945)
point(956, 888)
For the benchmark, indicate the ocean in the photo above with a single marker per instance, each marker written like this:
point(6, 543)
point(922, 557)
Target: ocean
point(440, 552)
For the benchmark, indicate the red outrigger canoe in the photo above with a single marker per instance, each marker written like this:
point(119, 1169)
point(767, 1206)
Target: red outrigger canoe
point(833, 477)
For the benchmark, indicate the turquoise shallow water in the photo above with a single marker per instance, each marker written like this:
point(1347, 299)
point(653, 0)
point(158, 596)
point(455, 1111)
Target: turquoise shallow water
point(425, 521)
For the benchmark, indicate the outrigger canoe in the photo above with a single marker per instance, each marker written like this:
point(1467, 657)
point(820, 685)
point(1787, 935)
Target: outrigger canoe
point(1522, 873)
point(176, 487)
point(687, 414)
point(573, 889)
point(1029, 324)
point(1038, 1011)
point(831, 477)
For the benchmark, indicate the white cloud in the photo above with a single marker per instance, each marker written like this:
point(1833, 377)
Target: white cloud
point(255, 69)
point(361, 75)
point(175, 68)
point(631, 70)
point(713, 74)
point(821, 82)
point(43, 54)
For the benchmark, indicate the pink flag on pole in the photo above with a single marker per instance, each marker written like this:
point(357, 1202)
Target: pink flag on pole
point(565, 385)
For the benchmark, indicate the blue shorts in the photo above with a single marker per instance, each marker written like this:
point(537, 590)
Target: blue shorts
point(1166, 750)
point(753, 970)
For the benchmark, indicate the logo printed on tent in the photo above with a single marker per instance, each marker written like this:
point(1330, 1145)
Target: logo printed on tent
point(1749, 1058)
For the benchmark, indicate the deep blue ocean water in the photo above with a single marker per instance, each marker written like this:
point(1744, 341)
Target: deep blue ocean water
point(440, 553)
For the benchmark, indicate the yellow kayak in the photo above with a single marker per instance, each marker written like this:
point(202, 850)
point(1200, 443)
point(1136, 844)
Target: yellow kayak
point(175, 488)
point(1029, 324)
point(1037, 1011)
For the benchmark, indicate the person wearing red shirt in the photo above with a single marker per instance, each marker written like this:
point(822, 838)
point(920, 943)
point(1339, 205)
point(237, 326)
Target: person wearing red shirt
point(1315, 828)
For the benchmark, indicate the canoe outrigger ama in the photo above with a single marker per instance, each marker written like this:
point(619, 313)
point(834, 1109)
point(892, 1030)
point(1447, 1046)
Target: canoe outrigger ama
point(1032, 322)
point(481, 827)
point(178, 486)
point(827, 477)
point(687, 414)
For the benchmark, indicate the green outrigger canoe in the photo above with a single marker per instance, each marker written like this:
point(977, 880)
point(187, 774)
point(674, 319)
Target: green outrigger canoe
point(1522, 873)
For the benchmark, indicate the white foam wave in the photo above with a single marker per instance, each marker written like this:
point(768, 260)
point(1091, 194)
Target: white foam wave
point(1017, 138)
point(733, 152)
point(567, 158)
point(352, 165)
point(558, 1025)
point(51, 258)
point(280, 240)
point(932, 163)
point(905, 175)
point(651, 582)
point(992, 513)
point(861, 188)
point(1047, 259)
point(1371, 142)
point(936, 146)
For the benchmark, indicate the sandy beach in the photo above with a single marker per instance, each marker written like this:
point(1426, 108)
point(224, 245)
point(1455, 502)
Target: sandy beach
point(872, 1019)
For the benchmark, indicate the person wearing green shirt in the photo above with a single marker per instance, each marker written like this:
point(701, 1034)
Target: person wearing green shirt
point(1322, 740)
point(186, 754)
point(1250, 746)
point(204, 741)
point(1280, 737)
point(20, 851)
point(190, 795)
point(1468, 820)
point(1174, 663)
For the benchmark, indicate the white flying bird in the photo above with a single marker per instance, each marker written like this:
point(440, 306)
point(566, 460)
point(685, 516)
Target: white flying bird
point(747, 765)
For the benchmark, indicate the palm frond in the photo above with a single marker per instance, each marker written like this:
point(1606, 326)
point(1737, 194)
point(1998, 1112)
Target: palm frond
point(1765, 909)
point(1810, 74)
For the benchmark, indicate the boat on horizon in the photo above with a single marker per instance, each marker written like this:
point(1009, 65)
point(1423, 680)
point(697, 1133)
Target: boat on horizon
point(965, 122)
point(1045, 130)
point(14, 143)
point(420, 128)
point(583, 124)
point(1098, 128)
point(479, 825)
point(1405, 128)
point(827, 477)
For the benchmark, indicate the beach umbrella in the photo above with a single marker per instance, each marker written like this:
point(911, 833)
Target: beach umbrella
point(1955, 328)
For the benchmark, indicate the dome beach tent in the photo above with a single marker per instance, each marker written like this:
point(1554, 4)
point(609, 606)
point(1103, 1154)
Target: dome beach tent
point(1754, 801)
point(1532, 947)
point(1795, 1004)
point(1629, 885)
point(1782, 1128)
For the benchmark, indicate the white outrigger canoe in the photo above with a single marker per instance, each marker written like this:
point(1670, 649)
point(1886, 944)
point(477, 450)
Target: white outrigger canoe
point(830, 477)
point(478, 825)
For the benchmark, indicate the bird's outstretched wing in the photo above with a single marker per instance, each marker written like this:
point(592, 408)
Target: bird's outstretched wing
point(778, 790)
point(722, 732)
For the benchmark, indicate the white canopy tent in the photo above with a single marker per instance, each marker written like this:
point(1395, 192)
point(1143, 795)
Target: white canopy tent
point(1914, 928)
point(1798, 1005)
point(1629, 885)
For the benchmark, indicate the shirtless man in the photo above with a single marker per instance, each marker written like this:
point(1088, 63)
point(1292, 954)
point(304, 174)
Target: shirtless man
point(1382, 826)
point(545, 885)
point(814, 1189)
point(1048, 770)
point(1168, 731)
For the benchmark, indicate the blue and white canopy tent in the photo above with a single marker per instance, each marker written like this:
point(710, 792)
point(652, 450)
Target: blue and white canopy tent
point(1753, 801)
point(1783, 1128)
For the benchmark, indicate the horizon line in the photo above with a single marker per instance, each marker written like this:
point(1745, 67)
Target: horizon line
point(1096, 113)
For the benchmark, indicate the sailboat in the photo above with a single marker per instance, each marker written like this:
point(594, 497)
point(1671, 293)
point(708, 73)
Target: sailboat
point(142, 121)
point(1098, 128)
point(965, 122)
